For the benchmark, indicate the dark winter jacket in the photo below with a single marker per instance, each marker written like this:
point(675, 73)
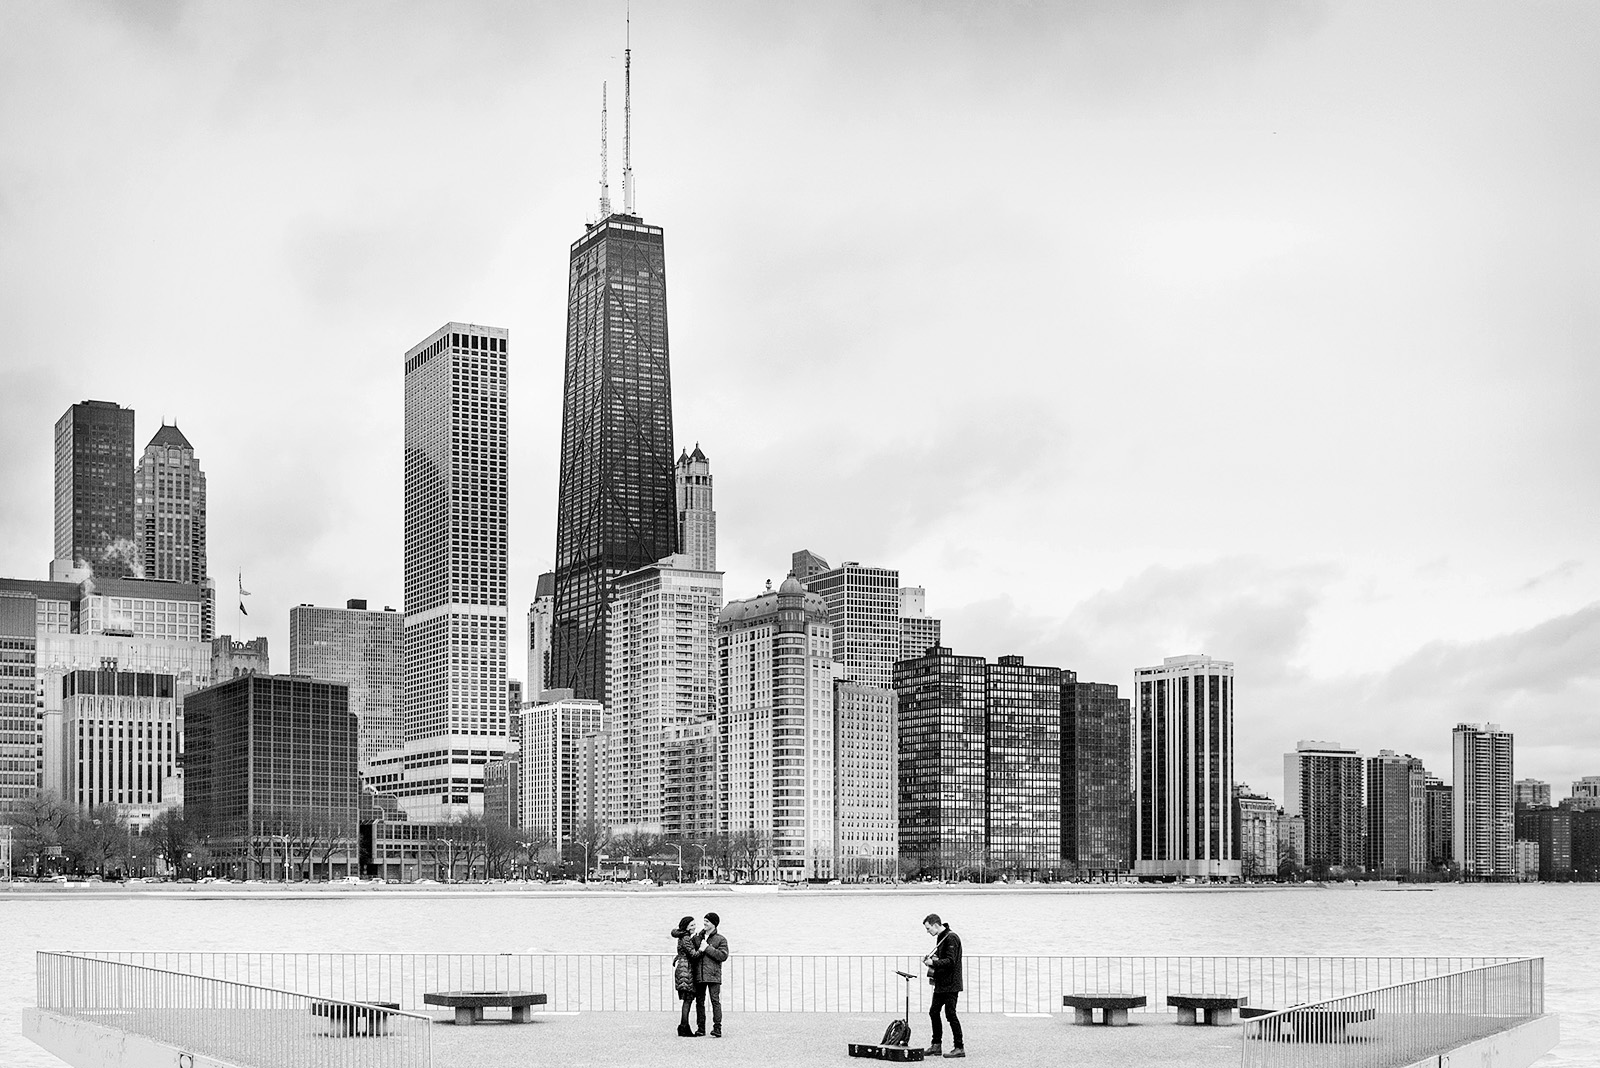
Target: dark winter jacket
point(712, 952)
point(684, 965)
point(944, 963)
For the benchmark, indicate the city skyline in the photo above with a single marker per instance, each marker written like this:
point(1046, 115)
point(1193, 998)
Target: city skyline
point(1373, 560)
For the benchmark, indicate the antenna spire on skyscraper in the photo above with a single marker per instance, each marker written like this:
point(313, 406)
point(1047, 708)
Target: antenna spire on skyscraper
point(605, 185)
point(627, 116)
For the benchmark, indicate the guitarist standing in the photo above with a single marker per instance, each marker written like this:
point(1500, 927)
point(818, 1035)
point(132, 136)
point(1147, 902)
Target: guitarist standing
point(944, 972)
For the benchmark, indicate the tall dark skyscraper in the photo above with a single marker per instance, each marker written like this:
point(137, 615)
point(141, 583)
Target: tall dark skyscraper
point(94, 488)
point(617, 510)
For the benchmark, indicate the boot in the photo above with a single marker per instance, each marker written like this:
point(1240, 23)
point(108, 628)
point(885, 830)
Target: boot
point(934, 1050)
point(957, 1052)
point(685, 1031)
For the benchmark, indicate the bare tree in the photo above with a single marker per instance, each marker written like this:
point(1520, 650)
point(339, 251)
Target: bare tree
point(39, 823)
point(170, 837)
point(530, 846)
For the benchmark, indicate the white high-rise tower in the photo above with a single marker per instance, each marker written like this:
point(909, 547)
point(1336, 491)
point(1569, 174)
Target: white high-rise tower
point(1183, 769)
point(454, 673)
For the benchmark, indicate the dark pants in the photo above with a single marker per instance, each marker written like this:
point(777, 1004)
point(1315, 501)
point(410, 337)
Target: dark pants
point(946, 1000)
point(700, 992)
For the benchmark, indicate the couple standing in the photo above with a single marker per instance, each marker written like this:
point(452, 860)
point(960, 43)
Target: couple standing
point(697, 972)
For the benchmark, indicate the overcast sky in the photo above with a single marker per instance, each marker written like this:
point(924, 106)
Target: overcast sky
point(1264, 330)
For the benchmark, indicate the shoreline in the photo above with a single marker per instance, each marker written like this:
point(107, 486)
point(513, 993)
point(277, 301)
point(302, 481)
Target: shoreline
point(289, 891)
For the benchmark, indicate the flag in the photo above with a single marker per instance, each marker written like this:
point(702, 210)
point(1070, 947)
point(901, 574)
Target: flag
point(242, 612)
point(243, 593)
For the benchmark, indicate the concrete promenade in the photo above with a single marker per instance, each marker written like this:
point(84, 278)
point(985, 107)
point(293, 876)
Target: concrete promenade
point(649, 1040)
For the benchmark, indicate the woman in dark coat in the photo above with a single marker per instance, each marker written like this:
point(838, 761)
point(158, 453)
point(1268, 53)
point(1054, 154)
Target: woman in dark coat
point(683, 970)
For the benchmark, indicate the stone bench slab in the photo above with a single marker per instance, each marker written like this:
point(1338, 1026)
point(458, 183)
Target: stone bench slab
point(1113, 1007)
point(469, 1004)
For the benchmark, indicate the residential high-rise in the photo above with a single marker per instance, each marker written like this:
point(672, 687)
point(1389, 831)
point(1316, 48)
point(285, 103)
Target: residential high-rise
point(230, 659)
point(1023, 713)
point(361, 649)
point(169, 518)
point(1254, 826)
point(919, 631)
point(20, 721)
point(270, 767)
point(94, 489)
point(1585, 793)
point(866, 811)
point(775, 755)
point(864, 612)
point(453, 669)
point(1586, 844)
point(1096, 776)
point(662, 665)
point(1397, 814)
point(1322, 782)
point(1531, 793)
point(1551, 828)
point(697, 519)
point(539, 613)
point(1440, 803)
point(1183, 770)
point(551, 736)
point(689, 783)
point(123, 737)
point(943, 734)
point(994, 768)
point(617, 508)
point(1481, 818)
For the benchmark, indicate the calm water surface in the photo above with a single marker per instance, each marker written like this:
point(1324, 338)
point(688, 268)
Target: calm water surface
point(1560, 923)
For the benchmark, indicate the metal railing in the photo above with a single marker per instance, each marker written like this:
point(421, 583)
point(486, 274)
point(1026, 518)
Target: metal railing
point(1398, 1024)
point(643, 982)
point(244, 1023)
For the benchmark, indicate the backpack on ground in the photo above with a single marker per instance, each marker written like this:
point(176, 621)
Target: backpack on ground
point(898, 1033)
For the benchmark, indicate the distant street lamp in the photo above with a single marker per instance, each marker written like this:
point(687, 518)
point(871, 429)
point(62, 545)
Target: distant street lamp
point(449, 852)
point(285, 840)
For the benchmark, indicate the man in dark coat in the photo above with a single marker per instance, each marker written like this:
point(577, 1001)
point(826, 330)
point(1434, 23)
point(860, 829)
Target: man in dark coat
point(708, 976)
point(944, 971)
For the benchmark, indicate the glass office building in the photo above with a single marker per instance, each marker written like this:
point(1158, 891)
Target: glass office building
point(617, 508)
point(361, 649)
point(943, 768)
point(94, 488)
point(269, 758)
point(1096, 800)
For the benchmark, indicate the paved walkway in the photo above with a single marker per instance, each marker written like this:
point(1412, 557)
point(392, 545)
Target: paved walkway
point(649, 1040)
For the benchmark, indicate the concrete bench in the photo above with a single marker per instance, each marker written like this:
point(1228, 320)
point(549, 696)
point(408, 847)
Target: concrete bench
point(1214, 1009)
point(1113, 1007)
point(1309, 1025)
point(469, 1004)
point(348, 1017)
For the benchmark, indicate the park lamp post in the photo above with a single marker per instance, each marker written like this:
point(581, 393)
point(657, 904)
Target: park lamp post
point(450, 851)
point(692, 845)
point(285, 840)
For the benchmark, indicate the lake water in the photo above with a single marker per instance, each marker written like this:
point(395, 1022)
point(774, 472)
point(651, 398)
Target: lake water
point(1558, 922)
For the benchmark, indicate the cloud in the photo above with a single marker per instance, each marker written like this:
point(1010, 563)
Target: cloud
point(1559, 573)
point(1541, 682)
